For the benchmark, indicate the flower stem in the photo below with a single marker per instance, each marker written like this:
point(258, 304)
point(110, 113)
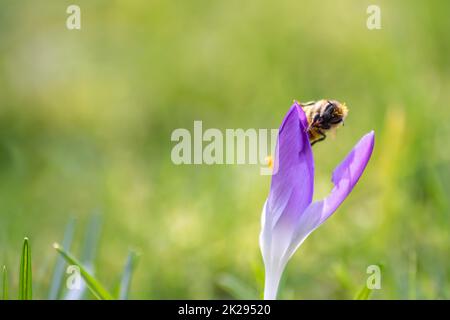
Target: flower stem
point(271, 284)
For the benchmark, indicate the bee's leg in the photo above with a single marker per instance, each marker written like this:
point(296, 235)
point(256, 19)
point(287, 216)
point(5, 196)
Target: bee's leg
point(313, 122)
point(322, 137)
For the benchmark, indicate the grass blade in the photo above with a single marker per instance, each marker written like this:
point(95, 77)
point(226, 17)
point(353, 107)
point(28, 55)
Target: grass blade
point(363, 294)
point(88, 252)
point(25, 286)
point(91, 239)
point(5, 284)
point(93, 284)
point(58, 273)
point(125, 282)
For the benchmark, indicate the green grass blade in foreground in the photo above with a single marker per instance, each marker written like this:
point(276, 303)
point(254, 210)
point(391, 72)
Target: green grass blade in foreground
point(125, 282)
point(5, 283)
point(93, 284)
point(87, 256)
point(25, 285)
point(58, 273)
point(363, 294)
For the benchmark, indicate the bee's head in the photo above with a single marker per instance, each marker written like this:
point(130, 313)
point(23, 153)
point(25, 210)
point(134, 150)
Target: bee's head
point(333, 113)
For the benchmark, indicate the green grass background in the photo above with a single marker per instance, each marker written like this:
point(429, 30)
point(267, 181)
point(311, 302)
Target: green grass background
point(86, 118)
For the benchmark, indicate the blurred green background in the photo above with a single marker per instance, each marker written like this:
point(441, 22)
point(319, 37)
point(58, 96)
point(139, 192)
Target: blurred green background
point(86, 118)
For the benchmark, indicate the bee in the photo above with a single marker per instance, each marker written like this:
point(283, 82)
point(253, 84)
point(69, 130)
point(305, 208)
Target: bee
point(323, 116)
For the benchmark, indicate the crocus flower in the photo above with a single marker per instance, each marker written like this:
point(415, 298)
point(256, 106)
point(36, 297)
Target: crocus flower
point(289, 214)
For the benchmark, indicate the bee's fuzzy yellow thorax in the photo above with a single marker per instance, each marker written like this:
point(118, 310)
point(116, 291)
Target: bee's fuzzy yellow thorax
point(342, 110)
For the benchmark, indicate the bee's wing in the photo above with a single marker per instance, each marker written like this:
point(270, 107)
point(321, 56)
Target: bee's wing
point(332, 133)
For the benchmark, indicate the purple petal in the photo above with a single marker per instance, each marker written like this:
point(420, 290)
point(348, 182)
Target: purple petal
point(290, 194)
point(292, 186)
point(347, 174)
point(345, 177)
